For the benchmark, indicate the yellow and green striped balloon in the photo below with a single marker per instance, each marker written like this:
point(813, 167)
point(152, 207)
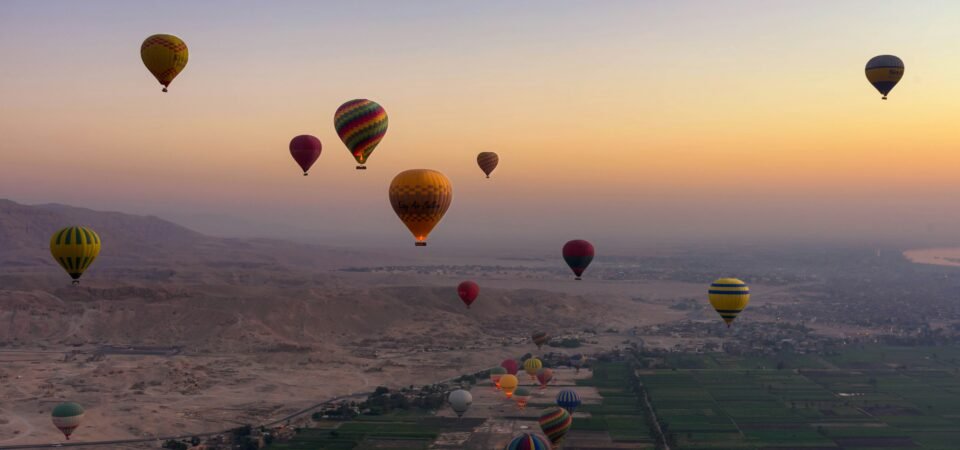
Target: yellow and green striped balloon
point(75, 248)
point(729, 296)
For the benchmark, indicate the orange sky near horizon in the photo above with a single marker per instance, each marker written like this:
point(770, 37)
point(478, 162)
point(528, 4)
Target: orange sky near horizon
point(615, 109)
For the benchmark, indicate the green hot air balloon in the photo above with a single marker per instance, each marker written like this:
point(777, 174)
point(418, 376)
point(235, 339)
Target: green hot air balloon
point(66, 417)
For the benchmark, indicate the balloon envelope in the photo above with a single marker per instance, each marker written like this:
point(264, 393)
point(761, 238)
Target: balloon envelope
point(544, 376)
point(531, 366)
point(165, 56)
point(729, 296)
point(66, 417)
point(75, 249)
point(487, 162)
point(361, 125)
point(884, 72)
point(555, 423)
point(509, 384)
point(568, 399)
point(420, 197)
point(305, 150)
point(460, 401)
point(578, 254)
point(528, 441)
point(468, 292)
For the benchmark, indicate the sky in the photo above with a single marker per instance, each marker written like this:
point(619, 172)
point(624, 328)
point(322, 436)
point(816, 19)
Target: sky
point(622, 122)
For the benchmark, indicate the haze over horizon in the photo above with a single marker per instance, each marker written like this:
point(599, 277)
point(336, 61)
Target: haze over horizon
point(626, 123)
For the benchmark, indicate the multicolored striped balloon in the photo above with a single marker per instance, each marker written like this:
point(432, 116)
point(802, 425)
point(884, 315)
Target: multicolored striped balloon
point(361, 125)
point(528, 441)
point(729, 296)
point(555, 423)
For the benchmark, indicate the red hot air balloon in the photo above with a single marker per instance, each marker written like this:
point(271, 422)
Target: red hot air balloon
point(511, 366)
point(578, 254)
point(468, 292)
point(305, 150)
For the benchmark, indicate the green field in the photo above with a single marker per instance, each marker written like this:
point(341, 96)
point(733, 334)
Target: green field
point(867, 397)
point(401, 432)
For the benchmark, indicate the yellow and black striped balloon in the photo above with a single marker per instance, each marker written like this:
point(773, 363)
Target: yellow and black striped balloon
point(884, 72)
point(729, 296)
point(75, 248)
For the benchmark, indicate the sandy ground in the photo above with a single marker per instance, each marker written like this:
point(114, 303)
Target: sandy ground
point(937, 256)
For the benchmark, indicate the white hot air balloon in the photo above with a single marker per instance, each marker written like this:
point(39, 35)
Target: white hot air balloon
point(460, 401)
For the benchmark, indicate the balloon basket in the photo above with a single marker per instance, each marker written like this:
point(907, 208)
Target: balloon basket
point(361, 167)
point(420, 244)
point(578, 278)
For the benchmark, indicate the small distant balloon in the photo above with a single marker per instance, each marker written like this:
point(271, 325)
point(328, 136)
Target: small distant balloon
point(568, 399)
point(67, 417)
point(522, 396)
point(305, 150)
point(165, 56)
point(75, 249)
point(511, 366)
point(508, 383)
point(460, 401)
point(884, 72)
point(729, 297)
point(495, 374)
point(531, 366)
point(578, 254)
point(544, 376)
point(468, 292)
point(539, 338)
point(487, 162)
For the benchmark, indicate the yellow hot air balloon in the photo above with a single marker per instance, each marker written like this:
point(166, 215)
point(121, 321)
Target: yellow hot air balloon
point(508, 383)
point(531, 366)
point(420, 197)
point(75, 248)
point(729, 296)
point(165, 55)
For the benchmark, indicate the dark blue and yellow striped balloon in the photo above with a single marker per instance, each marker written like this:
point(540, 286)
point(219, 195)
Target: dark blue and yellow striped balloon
point(569, 400)
point(883, 72)
point(75, 248)
point(729, 296)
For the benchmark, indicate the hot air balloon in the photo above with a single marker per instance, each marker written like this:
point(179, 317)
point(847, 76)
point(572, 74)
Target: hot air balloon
point(361, 125)
point(729, 296)
point(66, 417)
point(555, 423)
point(883, 72)
point(460, 401)
point(305, 150)
point(420, 197)
point(540, 338)
point(75, 248)
point(544, 376)
point(165, 56)
point(468, 292)
point(531, 366)
point(511, 366)
point(495, 374)
point(569, 400)
point(528, 441)
point(578, 254)
point(577, 361)
point(487, 162)
point(509, 384)
point(522, 396)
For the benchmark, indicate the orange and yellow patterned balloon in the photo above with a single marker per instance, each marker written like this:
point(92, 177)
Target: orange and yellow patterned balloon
point(165, 55)
point(420, 197)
